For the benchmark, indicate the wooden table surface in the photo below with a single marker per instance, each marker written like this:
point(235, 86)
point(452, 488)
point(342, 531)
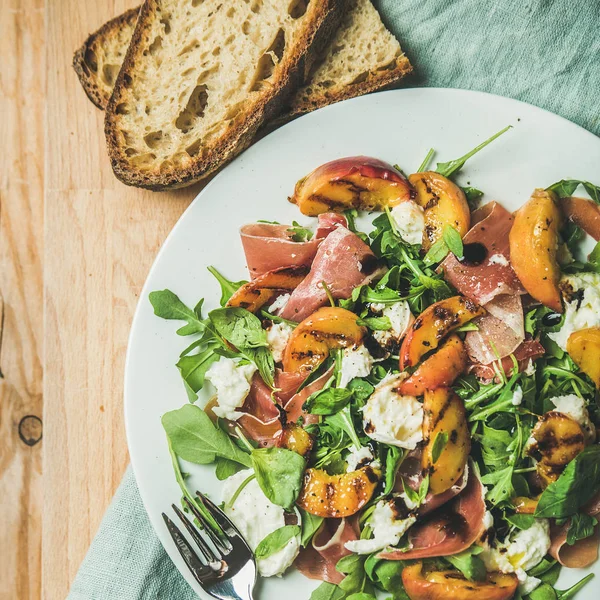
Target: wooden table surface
point(75, 248)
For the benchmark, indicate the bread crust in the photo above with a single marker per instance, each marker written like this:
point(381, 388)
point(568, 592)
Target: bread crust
point(89, 81)
point(269, 103)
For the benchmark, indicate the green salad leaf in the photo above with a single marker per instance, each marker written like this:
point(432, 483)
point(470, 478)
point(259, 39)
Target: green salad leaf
point(469, 563)
point(239, 327)
point(228, 288)
point(167, 305)
point(566, 187)
point(224, 467)
point(328, 401)
point(194, 437)
point(581, 526)
point(279, 473)
point(310, 526)
point(299, 233)
point(439, 443)
point(276, 541)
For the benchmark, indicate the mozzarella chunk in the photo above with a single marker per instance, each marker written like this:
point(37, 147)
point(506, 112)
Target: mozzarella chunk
point(358, 457)
point(356, 362)
point(530, 369)
point(409, 218)
point(400, 318)
point(573, 406)
point(278, 336)
point(527, 549)
point(387, 530)
point(279, 304)
point(391, 418)
point(583, 310)
point(517, 396)
point(256, 517)
point(232, 382)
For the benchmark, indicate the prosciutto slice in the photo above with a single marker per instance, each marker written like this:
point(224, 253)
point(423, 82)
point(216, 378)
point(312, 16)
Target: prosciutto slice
point(449, 529)
point(583, 552)
point(343, 262)
point(528, 350)
point(501, 330)
point(318, 561)
point(493, 276)
point(269, 246)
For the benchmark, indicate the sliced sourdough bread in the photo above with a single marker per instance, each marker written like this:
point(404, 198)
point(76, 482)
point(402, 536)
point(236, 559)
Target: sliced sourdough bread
point(363, 57)
point(200, 77)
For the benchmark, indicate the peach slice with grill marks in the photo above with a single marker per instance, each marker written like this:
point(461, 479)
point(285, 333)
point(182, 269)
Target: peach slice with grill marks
point(433, 324)
point(326, 329)
point(359, 182)
point(534, 244)
point(443, 203)
point(336, 496)
point(584, 348)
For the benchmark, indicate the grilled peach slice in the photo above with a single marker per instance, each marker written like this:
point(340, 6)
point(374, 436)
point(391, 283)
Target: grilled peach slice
point(557, 440)
point(584, 348)
point(255, 294)
point(533, 246)
point(296, 439)
point(443, 202)
point(442, 585)
point(584, 213)
point(325, 329)
point(337, 496)
point(433, 324)
point(444, 415)
point(355, 182)
point(439, 370)
point(524, 505)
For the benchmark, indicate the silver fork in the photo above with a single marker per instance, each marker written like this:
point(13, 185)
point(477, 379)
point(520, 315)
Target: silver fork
point(226, 568)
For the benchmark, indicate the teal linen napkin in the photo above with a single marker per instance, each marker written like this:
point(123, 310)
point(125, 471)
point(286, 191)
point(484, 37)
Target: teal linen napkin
point(545, 52)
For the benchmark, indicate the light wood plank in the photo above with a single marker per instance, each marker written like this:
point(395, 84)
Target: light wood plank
point(101, 238)
point(22, 79)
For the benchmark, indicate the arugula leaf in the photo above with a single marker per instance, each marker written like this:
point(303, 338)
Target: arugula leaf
point(327, 401)
point(167, 305)
point(453, 241)
point(581, 526)
point(448, 169)
point(375, 323)
point(473, 196)
point(594, 258)
point(417, 496)
point(228, 288)
point(328, 591)
point(276, 541)
point(393, 460)
point(239, 327)
point(576, 485)
point(520, 521)
point(547, 592)
point(194, 437)
point(193, 369)
point(263, 359)
point(299, 233)
point(343, 420)
point(566, 187)
point(438, 251)
point(439, 443)
point(387, 575)
point(356, 581)
point(494, 444)
point(502, 485)
point(310, 525)
point(469, 564)
point(225, 468)
point(423, 166)
point(279, 473)
point(361, 389)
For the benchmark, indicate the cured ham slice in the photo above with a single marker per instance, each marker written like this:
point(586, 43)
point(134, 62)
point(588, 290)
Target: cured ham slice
point(449, 529)
point(268, 247)
point(501, 330)
point(490, 276)
point(583, 552)
point(527, 351)
point(318, 561)
point(343, 262)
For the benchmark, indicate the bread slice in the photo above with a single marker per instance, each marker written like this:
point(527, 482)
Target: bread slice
point(363, 57)
point(201, 76)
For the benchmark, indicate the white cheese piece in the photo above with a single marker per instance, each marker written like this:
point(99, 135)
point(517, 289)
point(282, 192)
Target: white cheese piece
point(573, 406)
point(358, 457)
point(498, 259)
point(517, 396)
point(279, 304)
point(356, 362)
point(530, 369)
point(256, 517)
point(232, 383)
point(387, 530)
point(391, 418)
point(278, 336)
point(400, 318)
point(582, 311)
point(527, 549)
point(488, 520)
point(409, 218)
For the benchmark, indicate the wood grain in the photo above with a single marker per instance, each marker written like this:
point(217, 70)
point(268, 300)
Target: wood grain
point(100, 240)
point(21, 245)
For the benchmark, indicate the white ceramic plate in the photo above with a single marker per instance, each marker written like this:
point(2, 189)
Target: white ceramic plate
point(397, 126)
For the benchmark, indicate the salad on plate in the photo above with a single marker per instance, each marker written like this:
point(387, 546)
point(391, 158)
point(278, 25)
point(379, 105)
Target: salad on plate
point(404, 394)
